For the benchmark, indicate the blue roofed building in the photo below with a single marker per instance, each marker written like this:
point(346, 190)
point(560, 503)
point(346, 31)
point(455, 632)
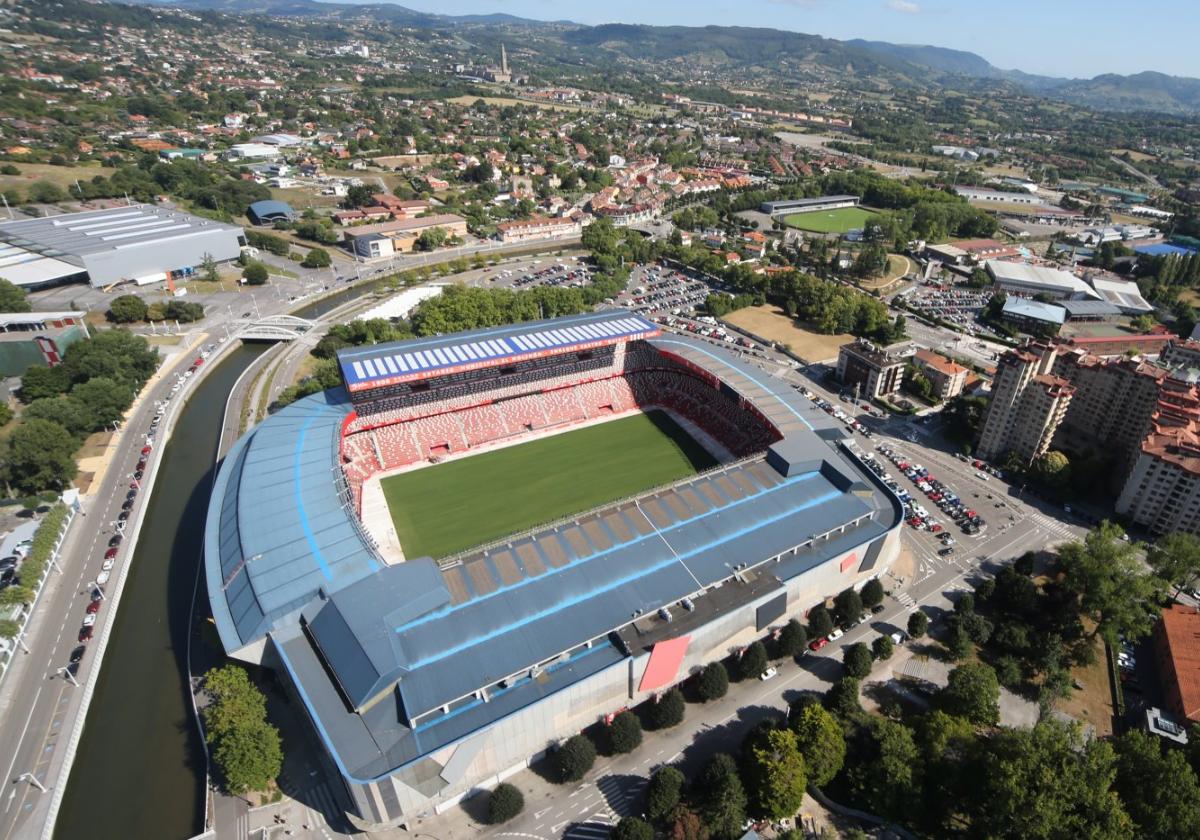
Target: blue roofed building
point(428, 679)
point(269, 211)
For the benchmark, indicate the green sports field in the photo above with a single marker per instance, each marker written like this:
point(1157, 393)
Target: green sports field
point(446, 508)
point(830, 221)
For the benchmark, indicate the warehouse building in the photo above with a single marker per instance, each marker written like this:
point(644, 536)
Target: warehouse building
point(1026, 279)
point(139, 243)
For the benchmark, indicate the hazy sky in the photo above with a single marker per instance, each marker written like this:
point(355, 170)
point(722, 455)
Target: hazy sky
point(1055, 37)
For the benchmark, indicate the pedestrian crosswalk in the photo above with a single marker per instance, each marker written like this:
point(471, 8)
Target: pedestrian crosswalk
point(596, 827)
point(907, 600)
point(1055, 527)
point(621, 793)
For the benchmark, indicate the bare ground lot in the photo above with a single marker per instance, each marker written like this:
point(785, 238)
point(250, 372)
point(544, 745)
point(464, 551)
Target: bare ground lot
point(63, 176)
point(773, 323)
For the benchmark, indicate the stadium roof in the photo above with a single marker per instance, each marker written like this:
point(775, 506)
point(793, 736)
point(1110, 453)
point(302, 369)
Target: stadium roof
point(96, 231)
point(421, 358)
point(390, 660)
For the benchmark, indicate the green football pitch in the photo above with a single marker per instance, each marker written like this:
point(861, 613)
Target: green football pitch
point(446, 508)
point(830, 221)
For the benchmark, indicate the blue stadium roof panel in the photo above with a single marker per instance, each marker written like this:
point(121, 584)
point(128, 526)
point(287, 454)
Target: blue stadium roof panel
point(421, 358)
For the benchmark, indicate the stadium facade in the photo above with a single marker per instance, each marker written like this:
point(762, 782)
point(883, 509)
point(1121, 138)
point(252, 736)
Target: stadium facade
point(427, 679)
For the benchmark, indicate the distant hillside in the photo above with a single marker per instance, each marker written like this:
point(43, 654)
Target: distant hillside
point(898, 64)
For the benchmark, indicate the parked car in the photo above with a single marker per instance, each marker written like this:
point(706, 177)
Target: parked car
point(877, 609)
point(115, 541)
point(768, 674)
point(78, 653)
point(836, 634)
point(817, 644)
point(107, 565)
point(93, 607)
point(90, 618)
point(85, 633)
point(103, 577)
point(110, 554)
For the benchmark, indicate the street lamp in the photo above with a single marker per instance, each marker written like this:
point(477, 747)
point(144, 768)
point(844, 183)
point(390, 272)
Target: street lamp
point(66, 672)
point(33, 780)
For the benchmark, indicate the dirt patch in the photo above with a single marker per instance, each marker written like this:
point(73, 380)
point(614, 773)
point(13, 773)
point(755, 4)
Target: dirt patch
point(773, 324)
point(1093, 704)
point(898, 265)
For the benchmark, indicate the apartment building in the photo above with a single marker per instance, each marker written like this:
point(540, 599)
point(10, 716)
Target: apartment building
point(1113, 406)
point(1162, 492)
point(948, 378)
point(1028, 404)
point(875, 371)
point(538, 227)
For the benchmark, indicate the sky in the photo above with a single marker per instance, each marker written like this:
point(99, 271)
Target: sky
point(1073, 38)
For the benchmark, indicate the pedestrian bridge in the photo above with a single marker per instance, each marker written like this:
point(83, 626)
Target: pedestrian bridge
point(275, 328)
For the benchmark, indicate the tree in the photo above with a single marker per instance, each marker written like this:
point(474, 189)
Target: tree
point(39, 382)
point(713, 682)
point(126, 309)
point(872, 593)
point(1175, 558)
point(887, 772)
point(973, 692)
point(842, 697)
point(504, 803)
point(1107, 576)
point(64, 411)
point(632, 828)
point(918, 624)
point(1052, 470)
point(255, 274)
point(820, 622)
point(847, 606)
point(360, 195)
point(40, 456)
point(1046, 783)
point(12, 298)
point(1159, 790)
point(46, 192)
point(820, 740)
point(792, 639)
point(102, 400)
point(245, 746)
point(687, 825)
point(753, 661)
point(668, 711)
point(857, 660)
point(958, 642)
point(183, 311)
point(625, 732)
point(775, 774)
point(722, 799)
point(208, 268)
point(663, 792)
point(882, 648)
point(316, 258)
point(574, 758)
point(431, 239)
point(9, 628)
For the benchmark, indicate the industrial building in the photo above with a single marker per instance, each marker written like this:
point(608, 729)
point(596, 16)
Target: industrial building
point(809, 205)
point(139, 243)
point(37, 338)
point(400, 235)
point(1026, 279)
point(428, 681)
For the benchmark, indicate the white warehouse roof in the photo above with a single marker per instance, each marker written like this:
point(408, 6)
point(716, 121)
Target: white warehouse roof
point(1038, 278)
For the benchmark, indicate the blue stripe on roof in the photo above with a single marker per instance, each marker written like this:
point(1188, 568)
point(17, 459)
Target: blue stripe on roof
point(299, 493)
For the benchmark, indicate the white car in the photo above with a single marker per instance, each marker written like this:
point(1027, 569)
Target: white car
point(108, 564)
point(102, 578)
point(768, 674)
point(898, 637)
point(982, 475)
point(89, 619)
point(837, 633)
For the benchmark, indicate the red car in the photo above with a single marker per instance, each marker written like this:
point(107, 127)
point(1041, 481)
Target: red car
point(197, 363)
point(110, 554)
point(94, 606)
point(85, 633)
point(146, 450)
point(817, 644)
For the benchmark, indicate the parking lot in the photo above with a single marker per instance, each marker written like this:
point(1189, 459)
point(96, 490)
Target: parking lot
point(954, 304)
point(657, 289)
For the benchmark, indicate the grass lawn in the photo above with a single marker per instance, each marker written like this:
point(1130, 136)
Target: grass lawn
point(773, 324)
point(64, 176)
point(830, 221)
point(444, 509)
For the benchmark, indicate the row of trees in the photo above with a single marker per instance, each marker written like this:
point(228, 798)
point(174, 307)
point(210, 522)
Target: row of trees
point(92, 388)
point(245, 747)
point(130, 309)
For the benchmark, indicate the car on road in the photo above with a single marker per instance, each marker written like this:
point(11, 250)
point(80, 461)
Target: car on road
point(836, 634)
point(110, 554)
point(817, 644)
point(146, 450)
point(127, 504)
point(115, 541)
point(85, 633)
point(90, 618)
point(93, 607)
point(768, 674)
point(77, 654)
point(982, 475)
point(138, 475)
point(107, 565)
point(102, 578)
point(877, 609)
point(899, 637)
point(122, 516)
point(946, 552)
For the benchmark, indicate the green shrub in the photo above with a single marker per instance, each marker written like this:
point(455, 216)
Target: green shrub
point(504, 803)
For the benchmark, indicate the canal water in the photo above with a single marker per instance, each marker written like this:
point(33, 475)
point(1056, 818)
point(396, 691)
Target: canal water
point(139, 770)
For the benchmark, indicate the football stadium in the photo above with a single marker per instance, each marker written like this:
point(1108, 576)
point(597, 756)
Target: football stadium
point(483, 543)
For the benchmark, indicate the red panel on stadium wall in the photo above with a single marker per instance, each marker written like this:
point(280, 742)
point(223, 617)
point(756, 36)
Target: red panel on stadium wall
point(849, 561)
point(664, 663)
